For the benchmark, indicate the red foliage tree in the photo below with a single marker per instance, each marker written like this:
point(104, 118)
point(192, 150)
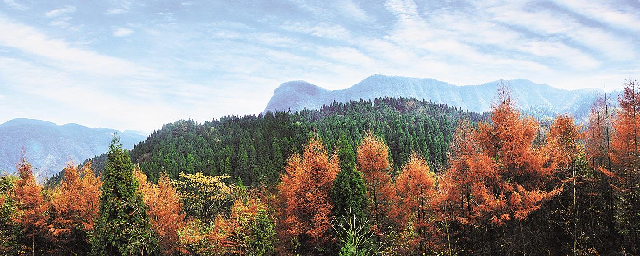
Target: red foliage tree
point(626, 152)
point(626, 162)
point(496, 173)
point(31, 208)
point(372, 157)
point(304, 191)
point(74, 207)
point(164, 210)
point(415, 188)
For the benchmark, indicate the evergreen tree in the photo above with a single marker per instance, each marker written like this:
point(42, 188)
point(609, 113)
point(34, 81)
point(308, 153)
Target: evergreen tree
point(349, 196)
point(122, 227)
point(349, 193)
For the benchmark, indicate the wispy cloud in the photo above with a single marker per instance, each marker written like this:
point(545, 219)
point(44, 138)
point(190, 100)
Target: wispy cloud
point(208, 59)
point(122, 32)
point(15, 5)
point(69, 9)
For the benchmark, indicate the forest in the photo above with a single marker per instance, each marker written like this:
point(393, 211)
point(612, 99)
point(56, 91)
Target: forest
point(388, 176)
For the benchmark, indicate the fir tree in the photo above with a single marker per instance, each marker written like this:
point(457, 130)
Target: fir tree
point(122, 227)
point(349, 196)
point(349, 193)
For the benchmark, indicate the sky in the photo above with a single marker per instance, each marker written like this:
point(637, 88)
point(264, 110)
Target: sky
point(139, 64)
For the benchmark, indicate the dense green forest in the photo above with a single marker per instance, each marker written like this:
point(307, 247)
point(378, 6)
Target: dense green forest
point(255, 148)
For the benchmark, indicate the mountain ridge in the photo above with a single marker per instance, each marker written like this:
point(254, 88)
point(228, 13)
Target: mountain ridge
point(529, 96)
point(48, 146)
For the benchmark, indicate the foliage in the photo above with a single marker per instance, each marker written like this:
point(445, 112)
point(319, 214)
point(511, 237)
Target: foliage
point(31, 210)
point(373, 161)
point(416, 191)
point(9, 232)
point(204, 197)
point(349, 192)
point(164, 210)
point(626, 160)
point(122, 227)
point(255, 148)
point(73, 209)
point(305, 194)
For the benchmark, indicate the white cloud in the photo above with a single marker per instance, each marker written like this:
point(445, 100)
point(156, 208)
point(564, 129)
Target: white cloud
point(561, 27)
point(15, 5)
point(326, 30)
point(116, 11)
point(122, 32)
point(352, 10)
point(346, 55)
point(61, 11)
point(618, 15)
point(60, 53)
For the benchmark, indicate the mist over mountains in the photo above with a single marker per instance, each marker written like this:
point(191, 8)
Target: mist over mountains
point(534, 99)
point(48, 147)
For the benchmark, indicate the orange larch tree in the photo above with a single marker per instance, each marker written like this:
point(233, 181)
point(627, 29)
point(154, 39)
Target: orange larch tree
point(305, 193)
point(32, 207)
point(626, 161)
point(521, 173)
point(372, 158)
point(74, 207)
point(496, 174)
point(415, 188)
point(165, 211)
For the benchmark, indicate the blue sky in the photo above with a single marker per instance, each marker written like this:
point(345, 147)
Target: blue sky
point(140, 64)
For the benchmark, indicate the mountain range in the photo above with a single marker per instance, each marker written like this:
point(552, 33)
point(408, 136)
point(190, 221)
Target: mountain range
point(534, 99)
point(48, 147)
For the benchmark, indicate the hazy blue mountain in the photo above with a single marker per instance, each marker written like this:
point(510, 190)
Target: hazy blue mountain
point(48, 147)
point(535, 99)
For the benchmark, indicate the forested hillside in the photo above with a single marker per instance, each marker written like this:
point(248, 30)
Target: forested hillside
point(255, 148)
point(363, 178)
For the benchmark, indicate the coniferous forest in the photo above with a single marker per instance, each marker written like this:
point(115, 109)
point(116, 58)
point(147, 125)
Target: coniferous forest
point(390, 176)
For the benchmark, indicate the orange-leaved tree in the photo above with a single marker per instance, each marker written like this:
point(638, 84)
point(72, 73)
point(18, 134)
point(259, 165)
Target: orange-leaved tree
point(32, 207)
point(626, 161)
point(416, 191)
point(305, 190)
point(164, 209)
point(520, 170)
point(74, 207)
point(496, 174)
point(372, 157)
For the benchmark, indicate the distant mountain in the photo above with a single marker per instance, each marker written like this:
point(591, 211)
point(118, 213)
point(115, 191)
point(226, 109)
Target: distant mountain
point(535, 99)
point(48, 147)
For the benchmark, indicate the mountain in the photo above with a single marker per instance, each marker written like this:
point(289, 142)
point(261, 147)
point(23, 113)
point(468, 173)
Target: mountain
point(534, 99)
point(48, 147)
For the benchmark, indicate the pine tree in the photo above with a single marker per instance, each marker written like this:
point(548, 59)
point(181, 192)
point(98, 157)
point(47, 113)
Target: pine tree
point(349, 192)
point(122, 227)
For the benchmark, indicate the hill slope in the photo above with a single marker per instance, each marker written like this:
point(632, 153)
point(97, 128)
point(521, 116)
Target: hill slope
point(49, 146)
point(531, 97)
point(255, 148)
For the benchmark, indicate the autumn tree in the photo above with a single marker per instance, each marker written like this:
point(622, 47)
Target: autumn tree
point(205, 197)
point(122, 227)
point(496, 174)
point(305, 194)
point(31, 206)
point(626, 158)
point(164, 210)
point(416, 190)
point(249, 230)
point(597, 139)
point(373, 161)
point(73, 209)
